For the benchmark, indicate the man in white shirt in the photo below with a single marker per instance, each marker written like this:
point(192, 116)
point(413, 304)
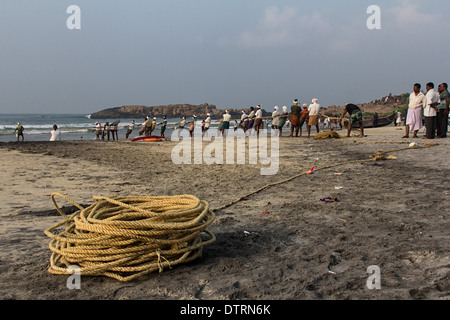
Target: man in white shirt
point(258, 119)
point(430, 111)
point(314, 110)
point(417, 102)
point(207, 124)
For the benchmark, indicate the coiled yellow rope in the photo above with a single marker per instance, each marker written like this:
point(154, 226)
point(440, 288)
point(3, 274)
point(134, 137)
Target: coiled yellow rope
point(127, 237)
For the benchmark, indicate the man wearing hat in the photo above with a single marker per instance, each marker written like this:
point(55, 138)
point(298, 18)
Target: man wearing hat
point(207, 123)
point(130, 129)
point(258, 119)
point(295, 118)
point(314, 110)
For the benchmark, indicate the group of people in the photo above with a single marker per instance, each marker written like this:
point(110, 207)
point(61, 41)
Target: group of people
point(430, 109)
point(106, 131)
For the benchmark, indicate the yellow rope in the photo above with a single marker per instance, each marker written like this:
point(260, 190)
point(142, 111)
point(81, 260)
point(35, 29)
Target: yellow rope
point(127, 237)
point(378, 156)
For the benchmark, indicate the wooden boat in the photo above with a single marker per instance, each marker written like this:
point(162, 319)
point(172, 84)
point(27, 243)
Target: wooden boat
point(368, 123)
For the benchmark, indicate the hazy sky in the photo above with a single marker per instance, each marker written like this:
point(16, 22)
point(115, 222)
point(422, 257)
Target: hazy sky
point(231, 53)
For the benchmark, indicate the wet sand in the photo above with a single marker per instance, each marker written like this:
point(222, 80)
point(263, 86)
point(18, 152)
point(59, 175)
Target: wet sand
point(392, 214)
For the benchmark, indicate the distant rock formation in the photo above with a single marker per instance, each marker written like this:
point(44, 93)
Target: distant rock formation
point(170, 111)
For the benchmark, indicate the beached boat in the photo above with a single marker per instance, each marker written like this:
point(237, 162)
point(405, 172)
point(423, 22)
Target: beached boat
point(368, 123)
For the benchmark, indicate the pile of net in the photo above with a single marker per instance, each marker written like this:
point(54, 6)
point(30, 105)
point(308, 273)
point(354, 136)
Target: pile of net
point(327, 135)
point(127, 237)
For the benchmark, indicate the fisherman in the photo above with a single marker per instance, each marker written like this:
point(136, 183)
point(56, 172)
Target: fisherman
point(163, 128)
point(19, 131)
point(244, 121)
point(192, 125)
point(153, 126)
point(106, 130)
point(251, 118)
point(98, 130)
point(313, 110)
point(275, 118)
point(207, 124)
point(282, 119)
point(303, 117)
point(356, 116)
point(130, 129)
point(258, 119)
point(115, 131)
point(295, 118)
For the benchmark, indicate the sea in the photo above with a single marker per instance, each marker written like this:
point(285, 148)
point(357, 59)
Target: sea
point(73, 126)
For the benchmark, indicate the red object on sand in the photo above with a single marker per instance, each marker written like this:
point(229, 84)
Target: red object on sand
point(311, 171)
point(148, 139)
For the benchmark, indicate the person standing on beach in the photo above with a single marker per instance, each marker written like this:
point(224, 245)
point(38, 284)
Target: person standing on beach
point(282, 119)
point(295, 118)
point(226, 118)
point(115, 131)
point(98, 130)
point(443, 108)
point(163, 126)
point(375, 120)
point(207, 124)
point(258, 119)
point(55, 134)
point(417, 101)
point(356, 116)
point(303, 117)
point(314, 110)
point(106, 130)
point(275, 118)
point(192, 125)
point(153, 126)
point(430, 111)
point(251, 118)
point(130, 129)
point(19, 131)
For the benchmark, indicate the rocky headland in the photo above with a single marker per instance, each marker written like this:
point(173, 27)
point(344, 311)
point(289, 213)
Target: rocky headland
point(384, 106)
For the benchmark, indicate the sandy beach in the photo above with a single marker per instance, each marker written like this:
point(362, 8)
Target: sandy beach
point(393, 214)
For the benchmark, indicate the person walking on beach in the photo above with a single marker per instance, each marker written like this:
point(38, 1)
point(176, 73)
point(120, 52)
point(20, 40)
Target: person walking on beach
point(430, 111)
point(19, 132)
point(417, 101)
point(442, 112)
point(314, 110)
point(356, 116)
point(130, 129)
point(55, 134)
point(295, 118)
